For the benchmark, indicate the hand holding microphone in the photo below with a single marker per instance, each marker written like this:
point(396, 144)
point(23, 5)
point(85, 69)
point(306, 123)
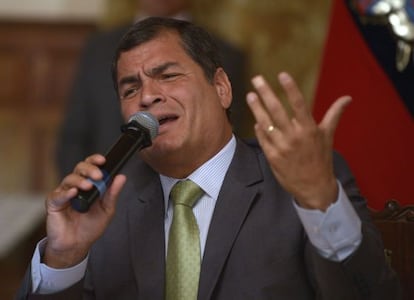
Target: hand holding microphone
point(138, 133)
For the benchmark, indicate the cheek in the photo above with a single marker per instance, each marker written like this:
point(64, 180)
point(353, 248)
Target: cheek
point(127, 109)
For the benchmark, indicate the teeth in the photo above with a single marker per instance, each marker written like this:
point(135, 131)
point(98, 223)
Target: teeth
point(162, 120)
point(165, 119)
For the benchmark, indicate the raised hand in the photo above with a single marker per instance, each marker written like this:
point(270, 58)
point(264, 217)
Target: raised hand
point(298, 149)
point(70, 234)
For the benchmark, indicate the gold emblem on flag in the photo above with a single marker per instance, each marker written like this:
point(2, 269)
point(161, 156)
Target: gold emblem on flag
point(395, 14)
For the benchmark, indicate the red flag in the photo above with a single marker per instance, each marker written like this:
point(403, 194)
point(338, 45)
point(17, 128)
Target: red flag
point(376, 132)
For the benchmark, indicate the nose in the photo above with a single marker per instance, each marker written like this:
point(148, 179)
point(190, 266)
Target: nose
point(150, 94)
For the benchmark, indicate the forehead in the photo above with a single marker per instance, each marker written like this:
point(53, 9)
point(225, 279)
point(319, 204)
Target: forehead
point(165, 46)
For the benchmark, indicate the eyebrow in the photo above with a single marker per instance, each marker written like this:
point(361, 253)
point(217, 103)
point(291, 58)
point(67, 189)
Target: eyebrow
point(161, 68)
point(132, 79)
point(129, 79)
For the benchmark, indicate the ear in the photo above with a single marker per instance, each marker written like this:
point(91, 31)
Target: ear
point(223, 87)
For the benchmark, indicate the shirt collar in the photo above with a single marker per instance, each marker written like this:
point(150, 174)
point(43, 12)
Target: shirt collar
point(208, 176)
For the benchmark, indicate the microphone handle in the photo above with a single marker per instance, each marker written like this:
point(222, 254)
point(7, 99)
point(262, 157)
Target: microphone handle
point(135, 137)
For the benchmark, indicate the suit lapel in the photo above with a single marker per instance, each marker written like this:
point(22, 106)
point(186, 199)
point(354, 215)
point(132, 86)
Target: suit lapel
point(146, 228)
point(238, 192)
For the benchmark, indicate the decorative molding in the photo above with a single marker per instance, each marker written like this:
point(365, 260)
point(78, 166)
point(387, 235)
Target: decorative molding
point(393, 211)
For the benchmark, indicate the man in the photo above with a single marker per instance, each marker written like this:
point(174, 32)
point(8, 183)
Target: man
point(92, 118)
point(285, 223)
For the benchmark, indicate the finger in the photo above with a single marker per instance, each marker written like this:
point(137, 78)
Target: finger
point(271, 102)
point(96, 159)
point(88, 170)
point(265, 138)
point(331, 118)
point(59, 199)
point(76, 181)
point(262, 117)
point(295, 98)
point(111, 196)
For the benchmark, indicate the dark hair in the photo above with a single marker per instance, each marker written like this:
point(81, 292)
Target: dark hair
point(196, 42)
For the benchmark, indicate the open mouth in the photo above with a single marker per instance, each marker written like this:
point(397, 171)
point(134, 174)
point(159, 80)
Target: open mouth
point(166, 119)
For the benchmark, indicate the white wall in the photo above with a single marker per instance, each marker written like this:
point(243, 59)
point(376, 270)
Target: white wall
point(51, 9)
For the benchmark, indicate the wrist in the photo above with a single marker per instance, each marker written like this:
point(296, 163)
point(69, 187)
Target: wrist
point(319, 198)
point(59, 259)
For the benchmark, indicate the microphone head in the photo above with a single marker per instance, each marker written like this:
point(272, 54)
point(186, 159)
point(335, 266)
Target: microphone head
point(147, 120)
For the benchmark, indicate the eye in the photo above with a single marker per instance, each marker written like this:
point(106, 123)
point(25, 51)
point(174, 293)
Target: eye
point(129, 93)
point(169, 76)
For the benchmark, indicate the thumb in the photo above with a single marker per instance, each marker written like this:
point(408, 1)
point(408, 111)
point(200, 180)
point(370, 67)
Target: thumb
point(331, 118)
point(111, 195)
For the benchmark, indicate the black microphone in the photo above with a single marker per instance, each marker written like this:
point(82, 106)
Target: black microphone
point(138, 133)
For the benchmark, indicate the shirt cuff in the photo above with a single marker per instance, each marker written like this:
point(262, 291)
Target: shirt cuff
point(336, 233)
point(47, 280)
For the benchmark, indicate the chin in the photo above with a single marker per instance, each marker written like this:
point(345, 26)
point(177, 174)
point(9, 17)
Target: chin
point(160, 148)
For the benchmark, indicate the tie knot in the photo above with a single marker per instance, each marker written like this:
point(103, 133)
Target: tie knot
point(186, 193)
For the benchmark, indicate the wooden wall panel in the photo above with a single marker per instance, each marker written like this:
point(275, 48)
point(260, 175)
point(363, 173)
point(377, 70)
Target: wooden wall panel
point(37, 64)
point(11, 78)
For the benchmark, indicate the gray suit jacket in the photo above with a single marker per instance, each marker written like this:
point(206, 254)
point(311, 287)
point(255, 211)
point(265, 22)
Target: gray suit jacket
point(256, 246)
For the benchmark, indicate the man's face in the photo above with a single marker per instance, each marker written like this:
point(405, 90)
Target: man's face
point(159, 77)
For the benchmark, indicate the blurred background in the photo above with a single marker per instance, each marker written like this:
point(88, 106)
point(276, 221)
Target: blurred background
point(40, 44)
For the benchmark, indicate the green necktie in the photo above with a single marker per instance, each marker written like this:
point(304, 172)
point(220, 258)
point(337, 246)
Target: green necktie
point(183, 254)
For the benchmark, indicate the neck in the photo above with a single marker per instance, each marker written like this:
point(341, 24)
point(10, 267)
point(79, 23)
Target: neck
point(180, 164)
